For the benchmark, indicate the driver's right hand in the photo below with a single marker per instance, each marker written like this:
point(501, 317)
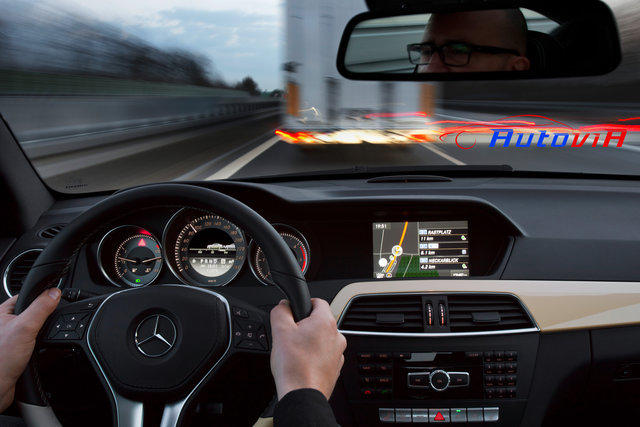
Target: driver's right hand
point(307, 354)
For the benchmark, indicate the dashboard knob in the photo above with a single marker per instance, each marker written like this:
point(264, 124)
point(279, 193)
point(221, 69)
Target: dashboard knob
point(439, 380)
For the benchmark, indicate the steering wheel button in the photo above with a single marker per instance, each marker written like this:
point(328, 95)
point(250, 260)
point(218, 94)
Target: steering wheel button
point(249, 326)
point(57, 327)
point(250, 345)
point(239, 312)
point(262, 339)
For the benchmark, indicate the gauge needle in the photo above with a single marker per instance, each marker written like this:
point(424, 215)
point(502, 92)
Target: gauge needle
point(151, 259)
point(127, 259)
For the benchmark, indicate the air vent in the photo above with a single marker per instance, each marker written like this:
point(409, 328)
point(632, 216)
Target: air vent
point(17, 271)
point(51, 232)
point(481, 313)
point(384, 313)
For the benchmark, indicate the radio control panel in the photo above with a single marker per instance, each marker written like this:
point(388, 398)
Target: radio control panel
point(438, 374)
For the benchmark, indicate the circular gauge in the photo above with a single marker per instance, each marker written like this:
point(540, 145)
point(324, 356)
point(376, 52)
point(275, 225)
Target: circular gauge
point(130, 256)
point(209, 250)
point(296, 242)
point(138, 260)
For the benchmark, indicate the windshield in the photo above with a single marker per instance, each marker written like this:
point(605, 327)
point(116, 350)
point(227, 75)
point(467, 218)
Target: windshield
point(108, 95)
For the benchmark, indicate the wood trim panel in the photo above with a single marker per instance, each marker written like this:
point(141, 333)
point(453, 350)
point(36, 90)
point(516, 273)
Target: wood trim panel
point(554, 305)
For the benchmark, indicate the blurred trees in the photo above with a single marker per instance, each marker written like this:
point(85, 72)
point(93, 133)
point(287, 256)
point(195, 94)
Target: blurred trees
point(42, 38)
point(248, 85)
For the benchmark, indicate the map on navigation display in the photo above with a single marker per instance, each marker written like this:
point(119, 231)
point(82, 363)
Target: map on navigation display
point(421, 249)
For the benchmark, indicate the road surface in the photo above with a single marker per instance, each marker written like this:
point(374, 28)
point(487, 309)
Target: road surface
point(248, 147)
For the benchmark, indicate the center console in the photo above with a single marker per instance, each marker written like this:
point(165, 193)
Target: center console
point(430, 377)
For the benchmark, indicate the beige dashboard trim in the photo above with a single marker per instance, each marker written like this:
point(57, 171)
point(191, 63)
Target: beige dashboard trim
point(554, 305)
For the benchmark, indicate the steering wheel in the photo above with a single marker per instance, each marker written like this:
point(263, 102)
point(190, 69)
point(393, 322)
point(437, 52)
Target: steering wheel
point(160, 343)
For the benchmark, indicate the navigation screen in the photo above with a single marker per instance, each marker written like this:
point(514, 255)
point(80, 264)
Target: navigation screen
point(421, 249)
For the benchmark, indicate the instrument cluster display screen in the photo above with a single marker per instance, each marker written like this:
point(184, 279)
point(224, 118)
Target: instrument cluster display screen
point(420, 249)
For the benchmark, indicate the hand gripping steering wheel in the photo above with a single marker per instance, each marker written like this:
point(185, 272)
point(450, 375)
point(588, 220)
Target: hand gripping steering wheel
point(160, 342)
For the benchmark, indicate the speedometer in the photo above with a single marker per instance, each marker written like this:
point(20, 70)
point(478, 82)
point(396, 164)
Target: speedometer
point(209, 250)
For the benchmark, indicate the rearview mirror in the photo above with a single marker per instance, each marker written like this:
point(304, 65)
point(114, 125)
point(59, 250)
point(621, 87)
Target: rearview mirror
point(463, 42)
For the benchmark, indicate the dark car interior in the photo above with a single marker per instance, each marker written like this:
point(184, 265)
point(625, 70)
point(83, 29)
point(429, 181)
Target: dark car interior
point(538, 323)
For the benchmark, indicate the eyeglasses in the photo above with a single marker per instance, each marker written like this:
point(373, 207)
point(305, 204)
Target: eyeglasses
point(453, 54)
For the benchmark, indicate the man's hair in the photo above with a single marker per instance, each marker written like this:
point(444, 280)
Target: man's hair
point(514, 18)
point(513, 23)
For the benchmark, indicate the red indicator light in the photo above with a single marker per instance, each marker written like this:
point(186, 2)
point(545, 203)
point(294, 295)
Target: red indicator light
point(145, 232)
point(142, 243)
point(439, 417)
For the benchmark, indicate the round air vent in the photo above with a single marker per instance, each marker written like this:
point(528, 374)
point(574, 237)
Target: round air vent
point(51, 232)
point(17, 271)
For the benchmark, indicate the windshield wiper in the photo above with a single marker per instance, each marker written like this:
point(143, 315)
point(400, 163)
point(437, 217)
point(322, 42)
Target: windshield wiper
point(442, 172)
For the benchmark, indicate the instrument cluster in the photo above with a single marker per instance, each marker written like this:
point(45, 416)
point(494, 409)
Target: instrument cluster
point(200, 248)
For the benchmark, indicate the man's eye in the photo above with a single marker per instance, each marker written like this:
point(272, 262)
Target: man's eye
point(459, 48)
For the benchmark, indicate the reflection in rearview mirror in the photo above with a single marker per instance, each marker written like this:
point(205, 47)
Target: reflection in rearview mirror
point(468, 41)
point(518, 42)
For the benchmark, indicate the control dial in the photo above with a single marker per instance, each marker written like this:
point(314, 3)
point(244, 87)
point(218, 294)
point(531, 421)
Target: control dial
point(439, 380)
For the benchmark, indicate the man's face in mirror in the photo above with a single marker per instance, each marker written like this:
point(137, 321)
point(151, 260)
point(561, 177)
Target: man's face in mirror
point(475, 41)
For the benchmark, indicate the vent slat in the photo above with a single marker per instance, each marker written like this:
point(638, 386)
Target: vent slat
point(18, 269)
point(51, 232)
point(362, 314)
point(461, 308)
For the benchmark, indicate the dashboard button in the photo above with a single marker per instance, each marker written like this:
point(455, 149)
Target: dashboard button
point(498, 356)
point(511, 380)
point(458, 415)
point(367, 368)
point(510, 356)
point(386, 393)
point(475, 415)
point(385, 368)
point(403, 415)
point(365, 357)
point(420, 415)
point(368, 381)
point(488, 356)
point(439, 416)
point(418, 379)
point(439, 380)
point(383, 357)
point(511, 367)
point(459, 379)
point(367, 392)
point(384, 381)
point(491, 414)
point(387, 415)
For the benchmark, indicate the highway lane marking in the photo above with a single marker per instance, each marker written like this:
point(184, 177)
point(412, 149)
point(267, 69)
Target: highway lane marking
point(442, 154)
point(233, 167)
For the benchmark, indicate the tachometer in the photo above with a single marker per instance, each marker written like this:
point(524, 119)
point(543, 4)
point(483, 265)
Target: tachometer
point(296, 242)
point(209, 250)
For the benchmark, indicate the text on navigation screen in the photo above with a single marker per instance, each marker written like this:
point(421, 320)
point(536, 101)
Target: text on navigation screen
point(421, 249)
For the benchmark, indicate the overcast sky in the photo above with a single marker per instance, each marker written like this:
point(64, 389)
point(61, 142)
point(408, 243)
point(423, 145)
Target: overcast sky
point(241, 37)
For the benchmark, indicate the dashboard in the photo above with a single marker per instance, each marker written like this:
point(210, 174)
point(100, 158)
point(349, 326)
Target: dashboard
point(177, 244)
point(386, 254)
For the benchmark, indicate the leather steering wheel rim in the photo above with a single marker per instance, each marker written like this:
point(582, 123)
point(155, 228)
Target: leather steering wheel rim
point(54, 261)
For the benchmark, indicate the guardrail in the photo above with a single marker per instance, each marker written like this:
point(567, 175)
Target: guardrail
point(61, 124)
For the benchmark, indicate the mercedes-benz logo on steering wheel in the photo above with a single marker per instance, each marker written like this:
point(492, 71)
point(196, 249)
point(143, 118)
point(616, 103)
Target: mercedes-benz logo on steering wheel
point(155, 335)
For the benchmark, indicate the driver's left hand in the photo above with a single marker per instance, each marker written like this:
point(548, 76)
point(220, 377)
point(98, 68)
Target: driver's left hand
point(18, 338)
